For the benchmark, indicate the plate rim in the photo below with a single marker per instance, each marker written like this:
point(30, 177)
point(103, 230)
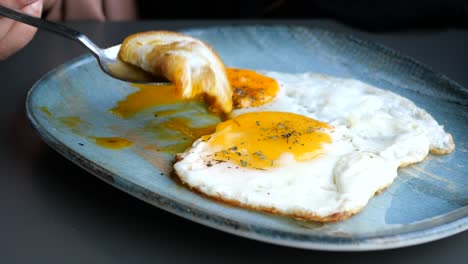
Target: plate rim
point(454, 222)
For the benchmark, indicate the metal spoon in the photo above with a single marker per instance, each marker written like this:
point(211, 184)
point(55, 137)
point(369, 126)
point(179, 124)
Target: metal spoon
point(107, 58)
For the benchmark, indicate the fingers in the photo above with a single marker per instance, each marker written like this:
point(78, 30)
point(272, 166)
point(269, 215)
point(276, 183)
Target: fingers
point(17, 35)
point(5, 23)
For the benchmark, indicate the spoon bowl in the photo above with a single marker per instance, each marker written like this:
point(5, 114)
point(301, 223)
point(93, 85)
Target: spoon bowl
point(110, 63)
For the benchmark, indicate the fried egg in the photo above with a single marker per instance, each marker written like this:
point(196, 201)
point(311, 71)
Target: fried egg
point(308, 146)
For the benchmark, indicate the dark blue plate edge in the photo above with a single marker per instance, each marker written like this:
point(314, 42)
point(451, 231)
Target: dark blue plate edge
point(452, 223)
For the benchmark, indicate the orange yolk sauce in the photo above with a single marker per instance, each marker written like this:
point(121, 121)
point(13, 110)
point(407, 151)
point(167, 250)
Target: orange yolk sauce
point(258, 139)
point(147, 96)
point(80, 127)
point(112, 142)
point(182, 125)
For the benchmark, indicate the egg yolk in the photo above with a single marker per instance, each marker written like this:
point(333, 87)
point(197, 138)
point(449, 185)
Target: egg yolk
point(182, 125)
point(250, 88)
point(147, 96)
point(112, 142)
point(257, 140)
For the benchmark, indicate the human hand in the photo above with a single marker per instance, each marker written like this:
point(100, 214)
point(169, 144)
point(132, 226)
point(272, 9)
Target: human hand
point(15, 35)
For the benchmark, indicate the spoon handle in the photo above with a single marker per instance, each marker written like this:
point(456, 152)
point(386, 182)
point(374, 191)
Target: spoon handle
point(52, 27)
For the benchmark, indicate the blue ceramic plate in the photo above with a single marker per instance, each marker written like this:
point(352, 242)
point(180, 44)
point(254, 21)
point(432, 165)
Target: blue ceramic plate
point(428, 201)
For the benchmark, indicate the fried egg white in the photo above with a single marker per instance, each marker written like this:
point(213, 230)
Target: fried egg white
point(319, 150)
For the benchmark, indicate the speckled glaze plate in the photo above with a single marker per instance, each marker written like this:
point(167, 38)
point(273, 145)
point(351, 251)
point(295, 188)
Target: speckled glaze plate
point(428, 201)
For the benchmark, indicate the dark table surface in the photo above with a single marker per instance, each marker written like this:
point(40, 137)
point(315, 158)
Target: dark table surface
point(51, 211)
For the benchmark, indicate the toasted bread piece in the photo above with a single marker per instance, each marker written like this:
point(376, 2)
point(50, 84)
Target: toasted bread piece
point(192, 65)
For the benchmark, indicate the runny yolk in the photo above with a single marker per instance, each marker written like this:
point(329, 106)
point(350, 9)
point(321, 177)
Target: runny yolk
point(112, 142)
point(257, 140)
point(46, 111)
point(71, 121)
point(251, 88)
point(146, 97)
point(182, 125)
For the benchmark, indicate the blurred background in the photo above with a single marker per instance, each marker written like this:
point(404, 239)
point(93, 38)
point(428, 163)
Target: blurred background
point(382, 15)
point(368, 14)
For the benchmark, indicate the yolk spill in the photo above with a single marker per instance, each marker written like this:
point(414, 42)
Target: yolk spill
point(173, 132)
point(257, 140)
point(251, 88)
point(70, 121)
point(182, 125)
point(75, 124)
point(112, 142)
point(179, 132)
point(46, 111)
point(78, 126)
point(167, 112)
point(146, 97)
